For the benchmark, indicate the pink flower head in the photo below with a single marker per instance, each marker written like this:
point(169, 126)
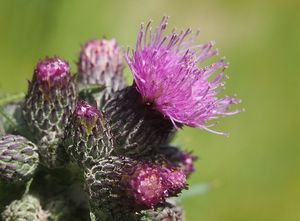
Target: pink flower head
point(52, 73)
point(167, 73)
point(152, 184)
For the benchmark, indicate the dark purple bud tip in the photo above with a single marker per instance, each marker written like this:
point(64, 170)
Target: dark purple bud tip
point(151, 184)
point(87, 115)
point(188, 161)
point(51, 72)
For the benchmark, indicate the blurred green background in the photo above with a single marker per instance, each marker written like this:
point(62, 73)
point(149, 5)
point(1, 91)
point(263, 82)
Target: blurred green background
point(256, 171)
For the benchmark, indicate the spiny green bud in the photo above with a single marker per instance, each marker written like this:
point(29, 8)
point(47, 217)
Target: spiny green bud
point(49, 102)
point(18, 158)
point(137, 128)
point(88, 137)
point(164, 212)
point(26, 209)
point(100, 63)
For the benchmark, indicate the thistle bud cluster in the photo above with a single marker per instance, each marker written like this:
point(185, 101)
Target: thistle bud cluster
point(88, 145)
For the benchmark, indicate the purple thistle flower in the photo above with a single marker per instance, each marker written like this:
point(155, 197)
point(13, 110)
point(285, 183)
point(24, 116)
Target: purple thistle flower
point(167, 75)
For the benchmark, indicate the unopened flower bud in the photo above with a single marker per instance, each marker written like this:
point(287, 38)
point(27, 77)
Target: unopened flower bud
point(18, 158)
point(87, 137)
point(49, 102)
point(100, 63)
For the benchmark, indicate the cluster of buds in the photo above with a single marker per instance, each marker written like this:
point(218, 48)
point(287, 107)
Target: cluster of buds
point(104, 147)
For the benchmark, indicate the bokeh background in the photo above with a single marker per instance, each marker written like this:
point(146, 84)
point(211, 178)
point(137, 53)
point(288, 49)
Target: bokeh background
point(252, 175)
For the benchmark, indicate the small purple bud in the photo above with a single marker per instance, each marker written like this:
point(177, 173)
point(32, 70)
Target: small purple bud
point(52, 73)
point(188, 162)
point(87, 115)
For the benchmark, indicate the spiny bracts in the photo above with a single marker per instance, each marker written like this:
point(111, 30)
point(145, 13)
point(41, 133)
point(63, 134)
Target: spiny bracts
point(88, 138)
point(19, 158)
point(48, 105)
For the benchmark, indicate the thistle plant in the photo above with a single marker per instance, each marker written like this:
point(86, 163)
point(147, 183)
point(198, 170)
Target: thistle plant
point(87, 146)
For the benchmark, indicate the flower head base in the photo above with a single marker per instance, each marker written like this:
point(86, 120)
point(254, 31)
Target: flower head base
point(167, 75)
point(152, 184)
point(137, 128)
